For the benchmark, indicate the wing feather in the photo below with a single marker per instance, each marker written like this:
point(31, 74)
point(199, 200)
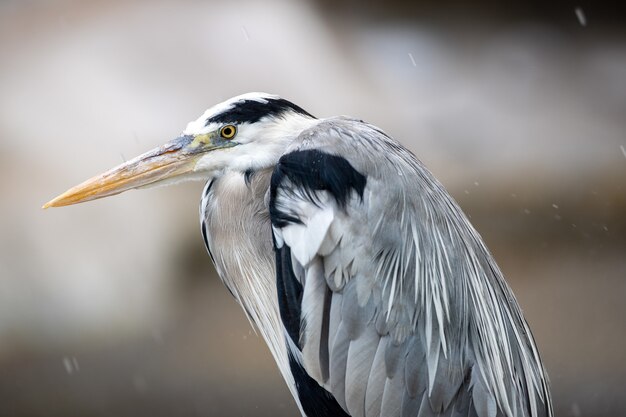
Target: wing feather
point(376, 381)
point(403, 310)
point(415, 371)
point(358, 367)
point(410, 405)
point(392, 396)
point(312, 319)
point(334, 321)
point(338, 365)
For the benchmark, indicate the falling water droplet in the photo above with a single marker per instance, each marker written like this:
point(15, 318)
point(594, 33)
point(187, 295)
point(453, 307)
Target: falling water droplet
point(580, 14)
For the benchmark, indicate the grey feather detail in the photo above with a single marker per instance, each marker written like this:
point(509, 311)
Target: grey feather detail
point(484, 402)
point(395, 355)
point(424, 409)
point(330, 242)
point(298, 270)
point(462, 405)
point(450, 374)
point(239, 233)
point(376, 381)
point(392, 396)
point(334, 269)
point(335, 318)
point(433, 352)
point(440, 304)
point(338, 363)
point(312, 316)
point(360, 358)
point(363, 346)
point(416, 371)
point(381, 324)
point(410, 405)
point(351, 315)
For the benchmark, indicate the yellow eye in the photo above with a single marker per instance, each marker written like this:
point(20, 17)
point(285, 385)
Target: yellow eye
point(228, 131)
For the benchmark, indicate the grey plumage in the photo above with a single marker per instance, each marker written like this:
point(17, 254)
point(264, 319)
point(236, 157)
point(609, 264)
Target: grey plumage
point(410, 281)
point(231, 208)
point(376, 296)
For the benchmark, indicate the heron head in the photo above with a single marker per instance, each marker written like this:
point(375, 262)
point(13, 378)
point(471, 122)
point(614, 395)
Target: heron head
point(246, 132)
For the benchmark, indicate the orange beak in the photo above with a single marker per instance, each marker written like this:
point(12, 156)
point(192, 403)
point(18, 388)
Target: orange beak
point(176, 158)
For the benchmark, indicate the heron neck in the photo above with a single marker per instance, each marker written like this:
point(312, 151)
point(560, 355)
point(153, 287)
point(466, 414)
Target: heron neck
point(238, 234)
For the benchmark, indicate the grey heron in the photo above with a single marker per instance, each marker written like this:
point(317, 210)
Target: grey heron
point(374, 293)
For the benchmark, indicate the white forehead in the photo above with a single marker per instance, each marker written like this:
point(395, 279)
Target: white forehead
point(199, 125)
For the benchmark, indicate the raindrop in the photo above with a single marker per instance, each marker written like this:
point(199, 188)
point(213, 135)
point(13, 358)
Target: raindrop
point(245, 33)
point(580, 14)
point(412, 59)
point(70, 364)
point(67, 363)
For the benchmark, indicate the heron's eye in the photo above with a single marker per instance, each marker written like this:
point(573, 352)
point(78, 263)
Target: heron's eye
point(228, 131)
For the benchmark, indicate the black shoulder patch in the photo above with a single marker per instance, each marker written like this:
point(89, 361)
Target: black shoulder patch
point(289, 293)
point(206, 241)
point(247, 176)
point(251, 111)
point(207, 188)
point(315, 400)
point(315, 170)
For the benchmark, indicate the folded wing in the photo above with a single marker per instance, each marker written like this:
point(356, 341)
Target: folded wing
point(391, 303)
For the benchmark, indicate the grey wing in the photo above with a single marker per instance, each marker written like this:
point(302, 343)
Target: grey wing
point(391, 302)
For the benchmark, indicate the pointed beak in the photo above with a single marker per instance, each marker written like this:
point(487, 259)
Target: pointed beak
point(173, 159)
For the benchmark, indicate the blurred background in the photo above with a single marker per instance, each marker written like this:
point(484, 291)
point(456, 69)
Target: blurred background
point(112, 308)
